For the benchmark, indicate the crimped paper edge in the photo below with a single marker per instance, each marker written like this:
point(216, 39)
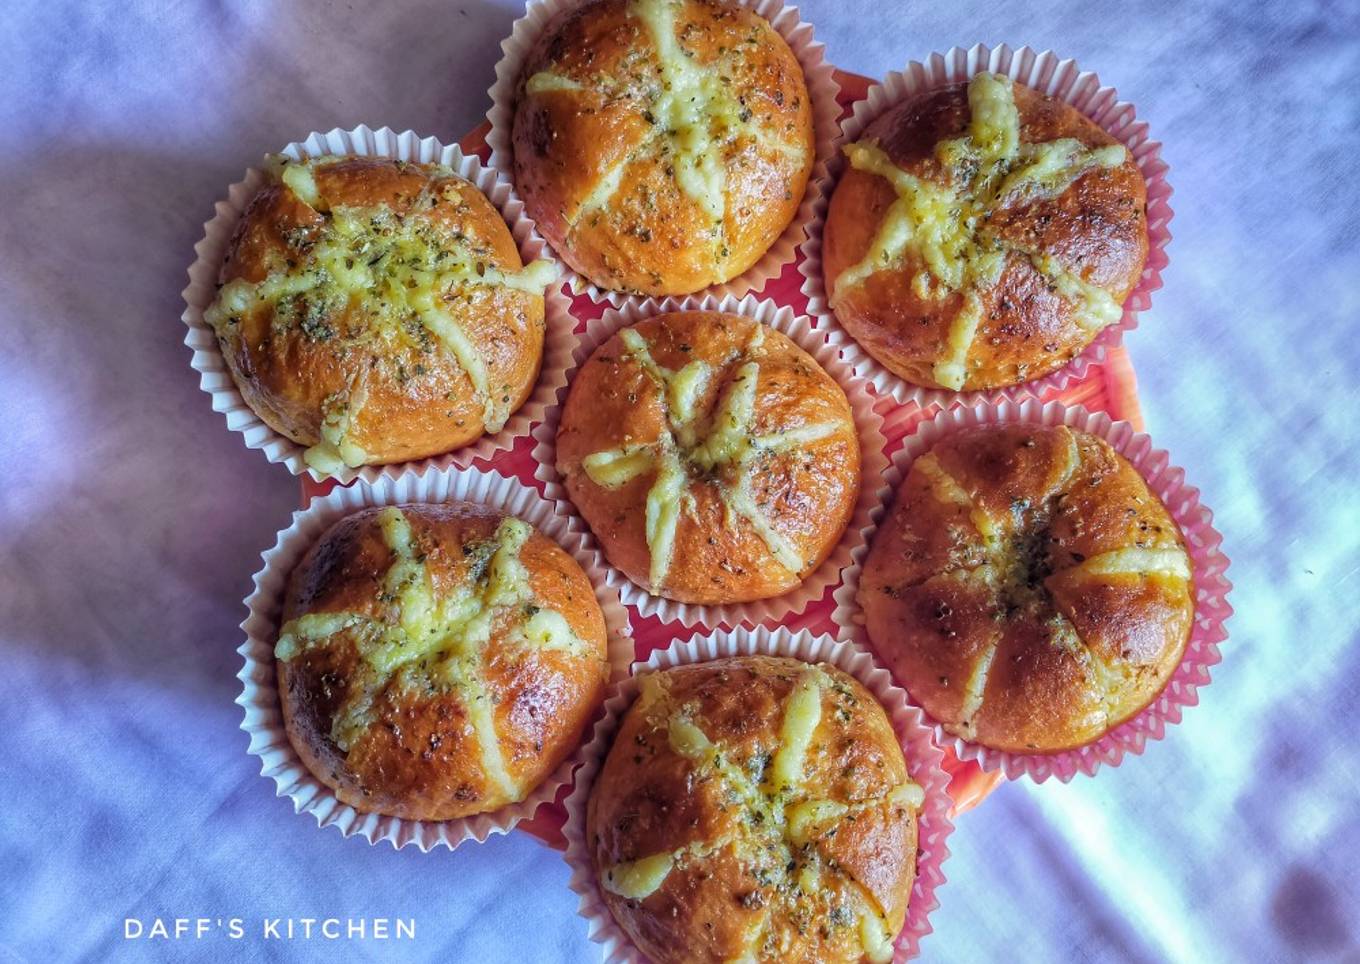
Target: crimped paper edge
point(1203, 544)
point(215, 378)
point(818, 74)
point(1046, 72)
point(259, 698)
point(868, 425)
point(914, 734)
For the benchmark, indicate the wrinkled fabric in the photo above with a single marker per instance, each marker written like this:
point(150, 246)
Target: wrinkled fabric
point(131, 520)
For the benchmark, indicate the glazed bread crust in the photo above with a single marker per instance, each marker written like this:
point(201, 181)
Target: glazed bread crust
point(661, 145)
point(1027, 588)
point(755, 808)
point(377, 311)
point(712, 457)
point(1015, 243)
point(437, 661)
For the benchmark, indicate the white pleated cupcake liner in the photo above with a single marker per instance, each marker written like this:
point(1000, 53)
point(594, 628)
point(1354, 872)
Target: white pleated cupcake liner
point(215, 378)
point(868, 424)
point(259, 683)
point(822, 87)
point(1203, 545)
point(914, 733)
point(1047, 73)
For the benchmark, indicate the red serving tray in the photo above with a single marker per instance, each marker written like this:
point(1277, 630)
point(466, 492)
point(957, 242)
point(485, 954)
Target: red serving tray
point(1108, 387)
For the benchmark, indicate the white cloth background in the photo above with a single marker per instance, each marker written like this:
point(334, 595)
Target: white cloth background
point(131, 520)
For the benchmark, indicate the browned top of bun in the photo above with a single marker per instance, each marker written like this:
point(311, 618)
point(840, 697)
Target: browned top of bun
point(377, 311)
point(983, 235)
point(755, 808)
point(713, 458)
point(437, 661)
point(662, 145)
point(1027, 588)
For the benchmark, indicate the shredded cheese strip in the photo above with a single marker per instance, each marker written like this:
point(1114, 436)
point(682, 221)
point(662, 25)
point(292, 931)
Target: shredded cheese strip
point(547, 82)
point(613, 468)
point(729, 437)
point(439, 639)
point(874, 935)
point(741, 502)
point(639, 879)
point(1071, 457)
point(604, 190)
point(799, 436)
point(461, 347)
point(802, 714)
point(481, 714)
point(311, 628)
point(988, 577)
point(1099, 309)
point(1136, 561)
point(946, 489)
point(944, 226)
point(298, 178)
point(662, 514)
point(975, 689)
point(337, 450)
point(952, 369)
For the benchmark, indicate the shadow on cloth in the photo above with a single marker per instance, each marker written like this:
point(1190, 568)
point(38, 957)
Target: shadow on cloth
point(138, 523)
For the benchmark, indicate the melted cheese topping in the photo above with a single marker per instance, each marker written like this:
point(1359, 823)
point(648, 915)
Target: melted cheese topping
point(975, 686)
point(424, 641)
point(687, 739)
point(698, 122)
point(685, 388)
point(725, 451)
point(547, 82)
point(616, 467)
point(337, 449)
point(371, 278)
point(778, 834)
point(1008, 578)
point(693, 106)
point(944, 226)
point(1137, 561)
point(802, 714)
point(662, 514)
point(299, 180)
point(875, 938)
point(945, 488)
point(637, 879)
point(812, 817)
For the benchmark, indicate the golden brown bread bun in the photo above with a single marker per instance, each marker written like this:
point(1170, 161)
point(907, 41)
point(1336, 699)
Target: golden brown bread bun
point(437, 661)
point(378, 311)
point(712, 457)
point(983, 235)
point(661, 145)
point(1027, 588)
point(755, 808)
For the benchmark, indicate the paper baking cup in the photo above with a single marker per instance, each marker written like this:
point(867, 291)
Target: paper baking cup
point(822, 90)
point(872, 460)
point(913, 733)
point(1207, 562)
point(259, 683)
point(215, 378)
point(1047, 73)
